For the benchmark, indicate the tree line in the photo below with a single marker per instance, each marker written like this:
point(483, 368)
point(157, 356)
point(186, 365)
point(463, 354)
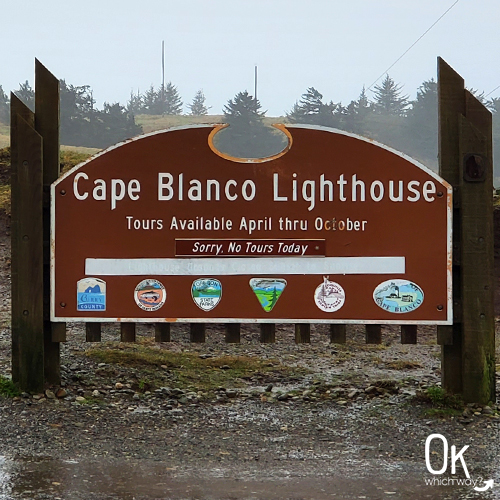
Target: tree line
point(390, 117)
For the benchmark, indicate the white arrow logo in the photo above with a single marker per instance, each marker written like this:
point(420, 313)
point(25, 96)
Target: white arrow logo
point(487, 486)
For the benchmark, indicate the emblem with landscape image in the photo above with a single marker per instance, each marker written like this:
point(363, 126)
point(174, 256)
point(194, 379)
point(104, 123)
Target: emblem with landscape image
point(267, 291)
point(150, 295)
point(398, 296)
point(206, 293)
point(91, 295)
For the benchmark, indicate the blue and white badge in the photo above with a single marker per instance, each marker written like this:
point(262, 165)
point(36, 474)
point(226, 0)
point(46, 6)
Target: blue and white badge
point(206, 293)
point(91, 295)
point(398, 296)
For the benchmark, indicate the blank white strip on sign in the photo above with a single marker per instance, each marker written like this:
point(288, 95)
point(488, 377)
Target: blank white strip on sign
point(238, 266)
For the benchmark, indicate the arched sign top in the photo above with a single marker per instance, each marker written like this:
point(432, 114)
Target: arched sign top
point(336, 228)
point(215, 128)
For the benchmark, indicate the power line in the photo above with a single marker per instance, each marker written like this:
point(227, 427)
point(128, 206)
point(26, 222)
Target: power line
point(414, 43)
point(496, 88)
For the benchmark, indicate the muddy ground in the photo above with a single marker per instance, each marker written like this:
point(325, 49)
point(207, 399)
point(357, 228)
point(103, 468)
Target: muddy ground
point(247, 421)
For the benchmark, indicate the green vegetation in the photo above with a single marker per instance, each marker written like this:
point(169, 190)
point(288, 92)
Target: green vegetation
point(402, 364)
point(268, 298)
point(7, 387)
point(188, 370)
point(442, 403)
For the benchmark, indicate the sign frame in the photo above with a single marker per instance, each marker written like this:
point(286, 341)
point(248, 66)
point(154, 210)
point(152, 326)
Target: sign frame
point(399, 320)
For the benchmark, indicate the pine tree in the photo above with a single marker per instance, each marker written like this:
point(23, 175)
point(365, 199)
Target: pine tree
point(197, 107)
point(149, 102)
point(247, 136)
point(422, 123)
point(135, 103)
point(388, 98)
point(311, 109)
point(356, 113)
point(172, 103)
point(4, 106)
point(243, 109)
point(26, 94)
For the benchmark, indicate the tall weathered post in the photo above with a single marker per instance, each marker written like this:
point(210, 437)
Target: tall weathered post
point(27, 250)
point(35, 165)
point(466, 162)
point(47, 125)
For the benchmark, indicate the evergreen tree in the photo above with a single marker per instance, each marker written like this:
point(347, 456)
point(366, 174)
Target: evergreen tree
point(26, 94)
point(356, 113)
point(76, 105)
point(135, 103)
point(243, 110)
point(4, 107)
point(311, 109)
point(247, 136)
point(388, 98)
point(172, 103)
point(422, 123)
point(197, 107)
point(150, 102)
point(114, 124)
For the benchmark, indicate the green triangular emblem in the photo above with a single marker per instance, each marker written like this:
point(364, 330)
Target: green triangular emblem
point(268, 291)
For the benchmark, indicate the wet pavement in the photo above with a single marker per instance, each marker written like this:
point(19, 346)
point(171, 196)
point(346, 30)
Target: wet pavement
point(36, 479)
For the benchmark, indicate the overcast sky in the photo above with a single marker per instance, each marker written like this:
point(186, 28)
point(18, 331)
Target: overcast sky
point(335, 46)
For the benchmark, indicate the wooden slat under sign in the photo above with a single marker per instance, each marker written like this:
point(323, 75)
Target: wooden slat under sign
point(302, 333)
point(338, 333)
point(233, 333)
point(162, 332)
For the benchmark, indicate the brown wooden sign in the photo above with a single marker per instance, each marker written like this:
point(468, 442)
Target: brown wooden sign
point(334, 229)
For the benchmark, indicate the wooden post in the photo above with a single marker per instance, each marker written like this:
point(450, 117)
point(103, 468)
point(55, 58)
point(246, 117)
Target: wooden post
point(127, 332)
point(267, 333)
point(477, 269)
point(302, 333)
point(466, 162)
point(17, 109)
point(409, 334)
point(93, 332)
point(197, 332)
point(162, 332)
point(450, 106)
point(373, 334)
point(27, 253)
point(233, 333)
point(338, 333)
point(47, 125)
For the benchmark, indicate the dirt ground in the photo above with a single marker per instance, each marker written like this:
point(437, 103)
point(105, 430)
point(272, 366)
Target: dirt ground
point(238, 421)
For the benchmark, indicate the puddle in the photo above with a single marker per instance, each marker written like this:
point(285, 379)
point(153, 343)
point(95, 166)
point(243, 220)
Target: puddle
point(140, 480)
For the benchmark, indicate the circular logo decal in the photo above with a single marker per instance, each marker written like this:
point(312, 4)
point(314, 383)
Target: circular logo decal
point(398, 296)
point(206, 293)
point(150, 295)
point(329, 296)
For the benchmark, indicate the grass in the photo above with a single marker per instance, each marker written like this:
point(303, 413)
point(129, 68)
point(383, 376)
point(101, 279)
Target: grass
point(69, 158)
point(188, 370)
point(152, 123)
point(7, 388)
point(5, 199)
point(442, 403)
point(402, 364)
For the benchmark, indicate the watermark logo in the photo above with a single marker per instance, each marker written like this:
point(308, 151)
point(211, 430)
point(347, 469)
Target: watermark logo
point(478, 484)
